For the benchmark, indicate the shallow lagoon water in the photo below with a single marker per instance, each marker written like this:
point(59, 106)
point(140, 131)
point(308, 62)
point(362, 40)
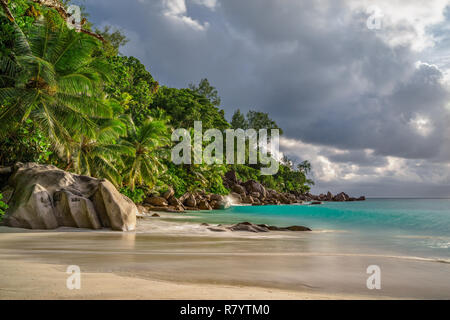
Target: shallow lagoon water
point(411, 227)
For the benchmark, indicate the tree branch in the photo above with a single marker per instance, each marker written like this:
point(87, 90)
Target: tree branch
point(8, 13)
point(54, 4)
point(93, 34)
point(58, 6)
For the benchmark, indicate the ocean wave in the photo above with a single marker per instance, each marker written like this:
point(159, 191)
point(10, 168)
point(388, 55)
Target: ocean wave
point(433, 242)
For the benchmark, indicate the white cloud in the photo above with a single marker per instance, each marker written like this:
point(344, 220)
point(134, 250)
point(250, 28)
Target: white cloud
point(406, 22)
point(422, 125)
point(176, 10)
point(342, 175)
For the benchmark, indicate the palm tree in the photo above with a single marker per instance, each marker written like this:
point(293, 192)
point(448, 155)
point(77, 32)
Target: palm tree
point(147, 142)
point(53, 79)
point(304, 167)
point(101, 156)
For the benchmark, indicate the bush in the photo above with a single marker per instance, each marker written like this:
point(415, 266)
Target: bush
point(137, 196)
point(25, 143)
point(3, 207)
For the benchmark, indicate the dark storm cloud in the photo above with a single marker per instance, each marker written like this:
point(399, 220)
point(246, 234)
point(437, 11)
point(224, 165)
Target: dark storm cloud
point(313, 65)
point(359, 157)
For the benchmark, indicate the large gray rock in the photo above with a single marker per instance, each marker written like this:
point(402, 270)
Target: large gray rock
point(75, 211)
point(191, 201)
point(118, 211)
point(235, 197)
point(231, 177)
point(329, 196)
point(46, 197)
point(239, 189)
point(33, 209)
point(254, 186)
point(341, 197)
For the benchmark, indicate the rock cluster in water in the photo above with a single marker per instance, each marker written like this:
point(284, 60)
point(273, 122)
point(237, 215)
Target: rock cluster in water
point(256, 228)
point(189, 201)
point(254, 193)
point(250, 192)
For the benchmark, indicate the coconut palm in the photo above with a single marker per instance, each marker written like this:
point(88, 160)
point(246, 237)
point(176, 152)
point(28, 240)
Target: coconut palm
point(147, 142)
point(102, 155)
point(52, 78)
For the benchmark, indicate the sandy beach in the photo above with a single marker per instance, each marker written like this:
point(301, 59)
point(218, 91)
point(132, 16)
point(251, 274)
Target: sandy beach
point(23, 277)
point(25, 280)
point(178, 265)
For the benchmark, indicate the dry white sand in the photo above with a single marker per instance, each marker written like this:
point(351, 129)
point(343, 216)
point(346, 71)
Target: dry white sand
point(24, 280)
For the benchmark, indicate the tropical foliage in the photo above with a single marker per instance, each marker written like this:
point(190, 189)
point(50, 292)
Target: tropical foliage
point(3, 207)
point(68, 99)
point(51, 78)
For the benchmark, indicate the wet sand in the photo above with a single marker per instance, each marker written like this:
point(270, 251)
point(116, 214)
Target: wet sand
point(176, 265)
point(34, 281)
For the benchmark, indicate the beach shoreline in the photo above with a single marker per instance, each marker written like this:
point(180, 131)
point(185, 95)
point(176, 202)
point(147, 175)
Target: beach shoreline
point(236, 266)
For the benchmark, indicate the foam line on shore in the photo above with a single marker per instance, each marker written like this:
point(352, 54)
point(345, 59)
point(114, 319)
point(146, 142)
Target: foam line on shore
point(239, 254)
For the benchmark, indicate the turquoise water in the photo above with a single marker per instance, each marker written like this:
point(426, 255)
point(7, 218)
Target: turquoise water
point(411, 227)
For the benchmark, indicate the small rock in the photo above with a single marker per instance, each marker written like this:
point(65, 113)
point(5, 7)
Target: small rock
point(248, 200)
point(216, 197)
point(341, 197)
point(169, 193)
point(179, 208)
point(236, 197)
point(184, 197)
point(239, 189)
point(204, 205)
point(215, 205)
point(254, 186)
point(256, 195)
point(298, 228)
point(190, 201)
point(157, 201)
point(175, 202)
point(248, 227)
point(231, 176)
point(217, 230)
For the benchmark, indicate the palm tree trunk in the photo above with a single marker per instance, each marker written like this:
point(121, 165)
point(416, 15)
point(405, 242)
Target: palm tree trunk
point(69, 166)
point(8, 13)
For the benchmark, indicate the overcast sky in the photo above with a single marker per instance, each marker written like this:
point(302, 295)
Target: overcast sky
point(361, 88)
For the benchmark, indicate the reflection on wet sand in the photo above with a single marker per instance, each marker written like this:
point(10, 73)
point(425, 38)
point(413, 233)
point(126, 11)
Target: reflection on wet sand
point(304, 262)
